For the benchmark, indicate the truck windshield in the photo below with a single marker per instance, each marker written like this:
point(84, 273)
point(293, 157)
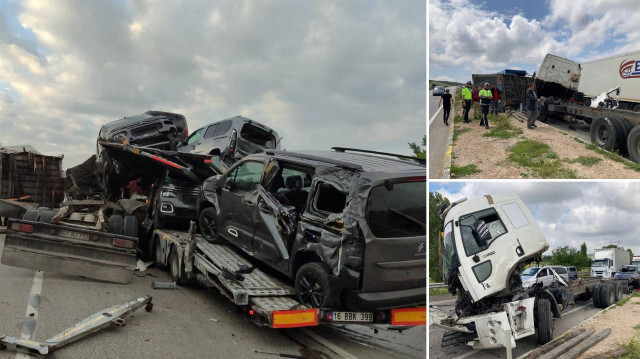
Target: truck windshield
point(600, 263)
point(530, 271)
point(450, 260)
point(493, 222)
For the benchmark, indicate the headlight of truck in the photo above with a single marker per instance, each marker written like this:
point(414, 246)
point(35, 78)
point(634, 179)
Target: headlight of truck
point(169, 194)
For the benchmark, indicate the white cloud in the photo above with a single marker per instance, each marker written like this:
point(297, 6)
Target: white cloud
point(444, 78)
point(322, 74)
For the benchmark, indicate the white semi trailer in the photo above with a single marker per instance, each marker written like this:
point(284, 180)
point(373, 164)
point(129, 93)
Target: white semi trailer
point(607, 261)
point(610, 72)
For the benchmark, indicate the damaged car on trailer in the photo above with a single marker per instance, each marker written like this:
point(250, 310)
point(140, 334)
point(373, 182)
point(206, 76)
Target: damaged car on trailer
point(347, 226)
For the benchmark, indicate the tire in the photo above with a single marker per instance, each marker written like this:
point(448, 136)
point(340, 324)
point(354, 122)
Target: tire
point(31, 215)
point(130, 228)
point(46, 217)
point(43, 209)
point(312, 286)
point(607, 295)
point(596, 295)
point(157, 250)
point(544, 318)
point(176, 269)
point(604, 133)
point(623, 128)
point(208, 227)
point(115, 224)
point(633, 144)
point(617, 290)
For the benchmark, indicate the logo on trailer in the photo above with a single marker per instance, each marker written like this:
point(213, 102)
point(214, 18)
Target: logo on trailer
point(630, 69)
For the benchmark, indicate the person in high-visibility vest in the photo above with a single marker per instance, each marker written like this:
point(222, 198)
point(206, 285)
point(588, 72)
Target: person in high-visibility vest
point(485, 96)
point(466, 102)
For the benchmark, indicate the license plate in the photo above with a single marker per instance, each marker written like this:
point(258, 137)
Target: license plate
point(351, 317)
point(74, 235)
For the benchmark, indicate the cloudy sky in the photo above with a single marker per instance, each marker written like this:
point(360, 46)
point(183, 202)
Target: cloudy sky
point(322, 73)
point(468, 36)
point(569, 213)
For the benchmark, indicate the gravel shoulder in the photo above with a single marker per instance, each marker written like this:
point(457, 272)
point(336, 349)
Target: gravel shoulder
point(490, 155)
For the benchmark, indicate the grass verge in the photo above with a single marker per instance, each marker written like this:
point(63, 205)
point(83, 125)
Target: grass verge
point(539, 158)
point(457, 172)
point(634, 349)
point(587, 161)
point(612, 156)
point(502, 128)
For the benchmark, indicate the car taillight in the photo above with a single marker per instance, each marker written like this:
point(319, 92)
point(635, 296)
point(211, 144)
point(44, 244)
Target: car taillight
point(233, 137)
point(20, 227)
point(124, 243)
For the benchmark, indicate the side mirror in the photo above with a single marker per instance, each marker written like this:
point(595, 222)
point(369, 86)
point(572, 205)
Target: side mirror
point(230, 183)
point(481, 233)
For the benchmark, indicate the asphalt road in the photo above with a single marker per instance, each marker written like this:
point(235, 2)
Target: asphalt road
point(189, 322)
point(571, 317)
point(438, 135)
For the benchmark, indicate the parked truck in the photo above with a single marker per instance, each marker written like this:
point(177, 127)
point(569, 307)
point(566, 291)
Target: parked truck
point(512, 86)
point(486, 244)
point(607, 261)
point(635, 261)
point(593, 93)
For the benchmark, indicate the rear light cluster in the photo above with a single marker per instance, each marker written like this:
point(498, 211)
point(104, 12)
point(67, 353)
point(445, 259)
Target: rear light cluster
point(124, 243)
point(21, 227)
point(233, 138)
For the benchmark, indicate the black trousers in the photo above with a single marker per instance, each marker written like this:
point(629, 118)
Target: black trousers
point(467, 108)
point(484, 121)
point(446, 110)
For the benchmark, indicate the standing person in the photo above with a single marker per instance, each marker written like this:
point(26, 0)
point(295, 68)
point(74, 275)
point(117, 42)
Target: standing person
point(446, 101)
point(486, 97)
point(495, 101)
point(532, 106)
point(476, 102)
point(466, 101)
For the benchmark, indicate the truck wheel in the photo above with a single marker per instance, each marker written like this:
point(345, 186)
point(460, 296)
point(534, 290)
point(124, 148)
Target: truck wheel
point(130, 228)
point(604, 133)
point(545, 321)
point(312, 286)
point(31, 215)
point(178, 274)
point(46, 217)
point(633, 144)
point(617, 290)
point(607, 296)
point(623, 128)
point(208, 226)
point(158, 252)
point(115, 224)
point(596, 295)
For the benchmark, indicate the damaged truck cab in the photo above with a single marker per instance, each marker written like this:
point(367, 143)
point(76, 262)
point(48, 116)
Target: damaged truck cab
point(348, 228)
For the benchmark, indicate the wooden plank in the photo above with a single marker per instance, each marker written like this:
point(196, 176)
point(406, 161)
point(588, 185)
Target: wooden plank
point(554, 344)
point(614, 353)
point(553, 354)
point(577, 350)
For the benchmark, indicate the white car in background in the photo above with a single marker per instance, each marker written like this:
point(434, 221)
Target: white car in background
point(544, 275)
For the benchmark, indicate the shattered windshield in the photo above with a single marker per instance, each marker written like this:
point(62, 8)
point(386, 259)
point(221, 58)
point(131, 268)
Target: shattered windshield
point(450, 260)
point(493, 222)
point(600, 263)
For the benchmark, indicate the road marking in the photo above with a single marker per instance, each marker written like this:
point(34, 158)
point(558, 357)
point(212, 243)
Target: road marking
point(329, 345)
point(573, 310)
point(434, 116)
point(31, 315)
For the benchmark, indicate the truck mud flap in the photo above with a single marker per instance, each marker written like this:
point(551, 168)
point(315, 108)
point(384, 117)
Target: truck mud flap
point(52, 253)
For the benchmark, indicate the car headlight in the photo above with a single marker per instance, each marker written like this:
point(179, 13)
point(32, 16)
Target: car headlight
point(168, 194)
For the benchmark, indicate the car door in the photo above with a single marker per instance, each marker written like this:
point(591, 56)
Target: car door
point(238, 201)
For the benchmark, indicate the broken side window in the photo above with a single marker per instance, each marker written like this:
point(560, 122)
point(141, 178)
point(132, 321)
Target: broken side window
point(470, 240)
point(329, 199)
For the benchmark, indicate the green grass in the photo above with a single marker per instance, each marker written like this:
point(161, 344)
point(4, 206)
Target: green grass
point(457, 133)
point(634, 349)
point(502, 127)
point(587, 161)
point(538, 157)
point(463, 171)
point(438, 291)
point(637, 326)
point(457, 119)
point(625, 300)
point(612, 156)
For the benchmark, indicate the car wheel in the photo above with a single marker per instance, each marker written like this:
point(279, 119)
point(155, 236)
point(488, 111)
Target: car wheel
point(115, 224)
point(545, 321)
point(31, 215)
point(178, 274)
point(208, 226)
point(312, 286)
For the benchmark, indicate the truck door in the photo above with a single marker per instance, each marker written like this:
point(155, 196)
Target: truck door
point(238, 202)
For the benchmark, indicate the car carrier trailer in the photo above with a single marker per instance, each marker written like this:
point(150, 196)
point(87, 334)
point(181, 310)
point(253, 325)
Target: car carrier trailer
point(269, 301)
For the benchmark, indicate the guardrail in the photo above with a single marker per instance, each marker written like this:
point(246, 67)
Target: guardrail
point(437, 285)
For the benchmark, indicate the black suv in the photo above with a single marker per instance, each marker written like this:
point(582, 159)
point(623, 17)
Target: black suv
point(347, 226)
point(232, 139)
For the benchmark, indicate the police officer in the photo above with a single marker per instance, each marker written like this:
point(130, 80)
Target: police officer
point(485, 96)
point(466, 102)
